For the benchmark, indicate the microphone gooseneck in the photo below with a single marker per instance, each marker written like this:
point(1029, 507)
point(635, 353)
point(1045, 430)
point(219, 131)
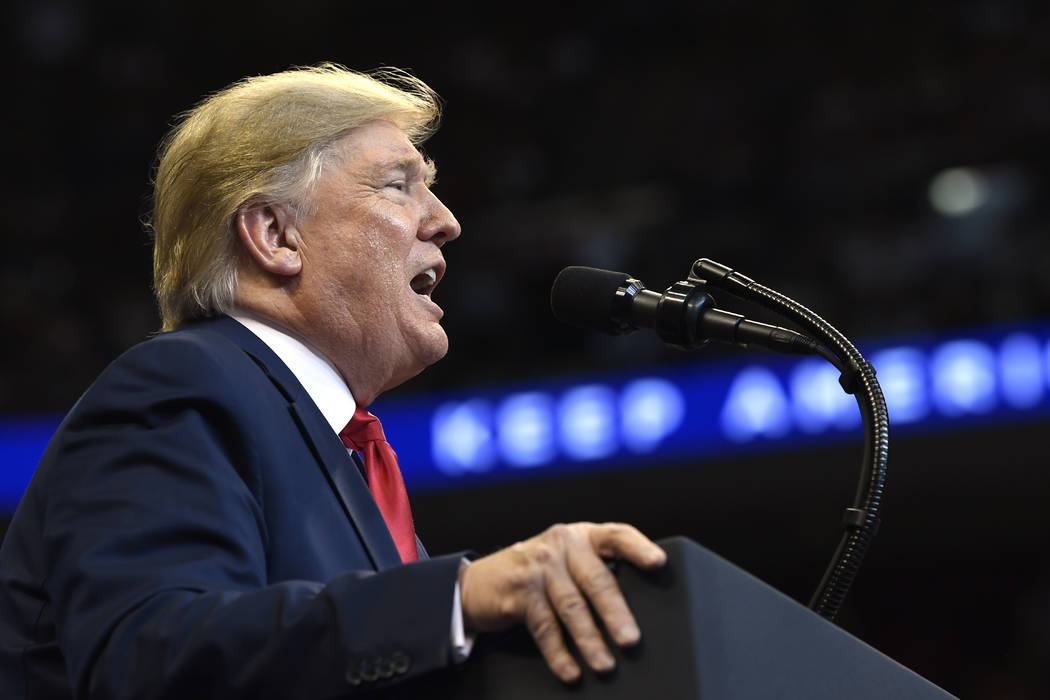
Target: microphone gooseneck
point(684, 315)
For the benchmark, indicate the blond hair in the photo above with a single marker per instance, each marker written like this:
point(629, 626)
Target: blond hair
point(268, 136)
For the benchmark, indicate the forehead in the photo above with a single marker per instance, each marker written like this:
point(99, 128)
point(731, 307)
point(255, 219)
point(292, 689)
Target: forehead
point(380, 148)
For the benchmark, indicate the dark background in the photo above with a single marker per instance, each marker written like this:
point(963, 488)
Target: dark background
point(794, 141)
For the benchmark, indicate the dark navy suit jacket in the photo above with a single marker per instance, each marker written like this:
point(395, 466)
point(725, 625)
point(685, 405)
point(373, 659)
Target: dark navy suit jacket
point(196, 529)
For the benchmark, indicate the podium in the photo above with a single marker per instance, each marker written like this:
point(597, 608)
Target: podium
point(710, 631)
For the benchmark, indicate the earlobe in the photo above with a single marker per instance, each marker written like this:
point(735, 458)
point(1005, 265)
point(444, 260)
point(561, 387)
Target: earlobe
point(267, 231)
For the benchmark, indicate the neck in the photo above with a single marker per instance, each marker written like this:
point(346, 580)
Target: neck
point(277, 309)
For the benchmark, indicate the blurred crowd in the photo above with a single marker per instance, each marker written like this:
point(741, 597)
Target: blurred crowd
point(797, 144)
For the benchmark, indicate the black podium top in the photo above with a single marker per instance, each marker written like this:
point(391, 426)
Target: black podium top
point(710, 631)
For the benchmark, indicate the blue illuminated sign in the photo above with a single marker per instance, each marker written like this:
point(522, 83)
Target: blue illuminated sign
point(22, 442)
point(902, 375)
point(702, 409)
point(692, 411)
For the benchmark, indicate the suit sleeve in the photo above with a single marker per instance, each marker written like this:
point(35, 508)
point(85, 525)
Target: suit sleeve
point(157, 547)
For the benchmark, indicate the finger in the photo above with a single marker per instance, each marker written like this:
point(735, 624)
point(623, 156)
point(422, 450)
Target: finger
point(543, 626)
point(572, 608)
point(622, 540)
point(600, 586)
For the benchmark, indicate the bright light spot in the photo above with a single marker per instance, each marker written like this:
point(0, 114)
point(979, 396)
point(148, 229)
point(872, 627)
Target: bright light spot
point(1047, 365)
point(756, 406)
point(525, 429)
point(963, 375)
point(1021, 370)
point(587, 422)
point(902, 376)
point(461, 437)
point(958, 191)
point(650, 410)
point(818, 399)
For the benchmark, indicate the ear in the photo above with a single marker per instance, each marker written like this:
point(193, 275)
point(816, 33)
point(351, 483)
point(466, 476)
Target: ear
point(268, 232)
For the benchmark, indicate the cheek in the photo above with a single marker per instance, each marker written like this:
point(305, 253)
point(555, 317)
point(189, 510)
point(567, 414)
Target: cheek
point(388, 230)
point(366, 258)
point(385, 265)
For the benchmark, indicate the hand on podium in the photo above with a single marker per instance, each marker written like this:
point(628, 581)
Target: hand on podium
point(552, 576)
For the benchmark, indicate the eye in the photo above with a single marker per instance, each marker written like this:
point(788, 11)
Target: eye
point(399, 185)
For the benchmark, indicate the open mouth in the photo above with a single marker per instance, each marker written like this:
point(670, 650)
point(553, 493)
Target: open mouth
point(425, 281)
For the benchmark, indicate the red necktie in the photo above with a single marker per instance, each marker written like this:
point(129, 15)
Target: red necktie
point(364, 433)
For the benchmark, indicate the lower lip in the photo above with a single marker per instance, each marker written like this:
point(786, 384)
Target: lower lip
point(431, 304)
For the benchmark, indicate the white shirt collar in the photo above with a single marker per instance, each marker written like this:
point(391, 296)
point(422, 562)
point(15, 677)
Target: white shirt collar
point(317, 375)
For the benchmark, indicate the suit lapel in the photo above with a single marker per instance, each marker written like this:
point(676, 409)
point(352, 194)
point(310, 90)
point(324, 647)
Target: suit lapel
point(347, 483)
point(332, 457)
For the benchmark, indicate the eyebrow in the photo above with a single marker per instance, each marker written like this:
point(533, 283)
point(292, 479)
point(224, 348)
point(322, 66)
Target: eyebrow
point(411, 164)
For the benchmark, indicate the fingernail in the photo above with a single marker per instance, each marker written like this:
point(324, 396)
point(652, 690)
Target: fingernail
point(568, 672)
point(603, 661)
point(628, 634)
point(657, 557)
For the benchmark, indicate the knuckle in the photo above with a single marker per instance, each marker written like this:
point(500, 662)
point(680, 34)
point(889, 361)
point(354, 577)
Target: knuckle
point(558, 532)
point(571, 606)
point(544, 628)
point(543, 553)
point(600, 581)
point(621, 529)
point(521, 577)
point(519, 554)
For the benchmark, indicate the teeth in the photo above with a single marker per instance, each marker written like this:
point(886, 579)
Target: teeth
point(426, 278)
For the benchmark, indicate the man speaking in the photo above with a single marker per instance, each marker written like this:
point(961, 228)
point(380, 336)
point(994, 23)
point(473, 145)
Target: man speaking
point(219, 515)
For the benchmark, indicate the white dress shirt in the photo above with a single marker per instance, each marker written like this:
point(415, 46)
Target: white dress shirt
point(329, 391)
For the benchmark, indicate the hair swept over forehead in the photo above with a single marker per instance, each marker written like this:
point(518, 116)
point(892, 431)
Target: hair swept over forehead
point(321, 99)
point(268, 136)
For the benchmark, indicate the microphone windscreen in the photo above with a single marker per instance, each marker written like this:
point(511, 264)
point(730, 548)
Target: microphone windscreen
point(586, 296)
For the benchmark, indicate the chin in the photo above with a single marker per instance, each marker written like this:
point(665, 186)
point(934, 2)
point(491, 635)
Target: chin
point(435, 350)
point(426, 352)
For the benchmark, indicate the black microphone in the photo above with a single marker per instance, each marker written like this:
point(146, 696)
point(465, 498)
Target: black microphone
point(684, 315)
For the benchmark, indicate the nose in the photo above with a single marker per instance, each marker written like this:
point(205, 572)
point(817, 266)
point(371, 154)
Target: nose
point(439, 226)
